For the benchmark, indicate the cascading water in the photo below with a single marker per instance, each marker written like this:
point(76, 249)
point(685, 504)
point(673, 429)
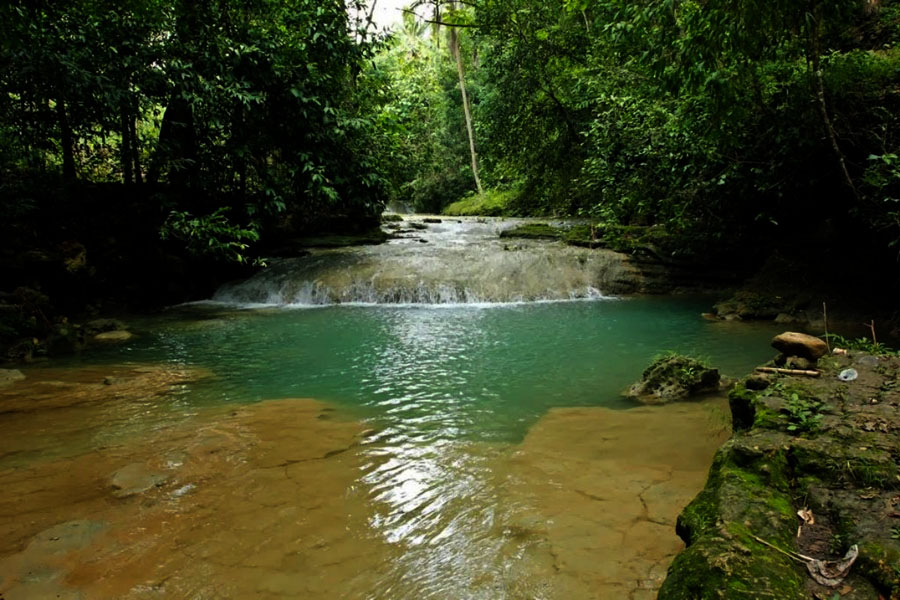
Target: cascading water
point(452, 262)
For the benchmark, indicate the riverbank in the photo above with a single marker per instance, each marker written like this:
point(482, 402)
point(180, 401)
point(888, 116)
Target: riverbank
point(829, 445)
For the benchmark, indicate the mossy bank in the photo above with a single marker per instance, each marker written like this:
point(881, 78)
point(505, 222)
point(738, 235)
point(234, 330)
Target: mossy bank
point(819, 443)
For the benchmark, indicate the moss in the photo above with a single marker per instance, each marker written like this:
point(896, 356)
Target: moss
point(584, 236)
point(731, 564)
point(533, 231)
point(492, 203)
point(880, 565)
point(743, 410)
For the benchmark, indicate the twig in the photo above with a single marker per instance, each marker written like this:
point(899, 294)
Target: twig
point(825, 319)
point(804, 372)
point(793, 555)
point(871, 326)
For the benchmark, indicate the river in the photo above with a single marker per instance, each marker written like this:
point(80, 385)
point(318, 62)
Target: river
point(422, 419)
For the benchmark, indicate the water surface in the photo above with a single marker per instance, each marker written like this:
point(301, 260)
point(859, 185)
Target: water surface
point(452, 452)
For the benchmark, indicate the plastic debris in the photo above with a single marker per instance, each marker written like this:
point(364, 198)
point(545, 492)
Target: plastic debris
point(831, 573)
point(848, 375)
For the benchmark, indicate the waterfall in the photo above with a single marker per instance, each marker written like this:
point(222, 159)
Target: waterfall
point(461, 262)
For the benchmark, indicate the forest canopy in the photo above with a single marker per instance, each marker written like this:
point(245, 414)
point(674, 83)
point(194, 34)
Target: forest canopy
point(711, 118)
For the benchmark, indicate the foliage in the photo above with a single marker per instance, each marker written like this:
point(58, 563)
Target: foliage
point(802, 413)
point(249, 106)
point(712, 120)
point(862, 344)
point(492, 203)
point(211, 234)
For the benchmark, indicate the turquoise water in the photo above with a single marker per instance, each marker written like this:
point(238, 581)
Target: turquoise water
point(445, 502)
point(428, 373)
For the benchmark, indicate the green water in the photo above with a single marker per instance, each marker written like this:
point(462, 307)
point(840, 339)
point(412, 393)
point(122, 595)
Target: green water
point(441, 373)
point(444, 506)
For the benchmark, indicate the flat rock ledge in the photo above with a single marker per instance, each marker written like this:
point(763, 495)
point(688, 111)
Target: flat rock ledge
point(800, 443)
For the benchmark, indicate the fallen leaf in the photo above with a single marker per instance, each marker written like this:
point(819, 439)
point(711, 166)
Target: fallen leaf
point(807, 516)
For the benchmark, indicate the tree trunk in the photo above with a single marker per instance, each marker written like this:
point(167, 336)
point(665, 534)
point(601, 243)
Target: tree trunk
point(127, 165)
point(819, 86)
point(454, 49)
point(135, 146)
point(176, 149)
point(67, 141)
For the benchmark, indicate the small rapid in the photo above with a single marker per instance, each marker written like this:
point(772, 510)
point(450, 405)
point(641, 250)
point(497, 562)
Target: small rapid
point(461, 261)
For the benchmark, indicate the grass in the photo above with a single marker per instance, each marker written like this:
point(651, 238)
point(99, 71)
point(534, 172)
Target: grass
point(492, 203)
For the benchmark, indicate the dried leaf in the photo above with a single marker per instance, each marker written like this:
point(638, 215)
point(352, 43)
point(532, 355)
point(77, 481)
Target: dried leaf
point(807, 516)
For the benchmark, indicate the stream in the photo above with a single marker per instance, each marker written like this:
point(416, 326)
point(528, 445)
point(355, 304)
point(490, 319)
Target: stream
point(421, 419)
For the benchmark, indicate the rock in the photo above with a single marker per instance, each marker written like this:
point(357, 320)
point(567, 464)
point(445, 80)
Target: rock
point(791, 343)
point(10, 376)
point(103, 325)
point(431, 220)
point(757, 382)
point(114, 336)
point(798, 362)
point(709, 316)
point(788, 319)
point(135, 479)
point(674, 378)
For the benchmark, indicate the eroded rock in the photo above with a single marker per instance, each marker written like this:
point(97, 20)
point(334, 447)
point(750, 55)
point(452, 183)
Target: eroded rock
point(673, 378)
point(814, 444)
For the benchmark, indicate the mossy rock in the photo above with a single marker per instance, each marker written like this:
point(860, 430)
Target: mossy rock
point(533, 231)
point(731, 564)
point(584, 236)
point(391, 218)
point(751, 305)
point(672, 378)
point(747, 496)
point(843, 466)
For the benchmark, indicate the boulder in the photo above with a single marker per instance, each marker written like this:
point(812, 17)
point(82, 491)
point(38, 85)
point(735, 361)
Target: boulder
point(791, 343)
point(114, 336)
point(672, 378)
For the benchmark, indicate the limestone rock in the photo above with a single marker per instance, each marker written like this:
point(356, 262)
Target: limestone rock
point(135, 479)
point(673, 378)
point(114, 336)
point(791, 343)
